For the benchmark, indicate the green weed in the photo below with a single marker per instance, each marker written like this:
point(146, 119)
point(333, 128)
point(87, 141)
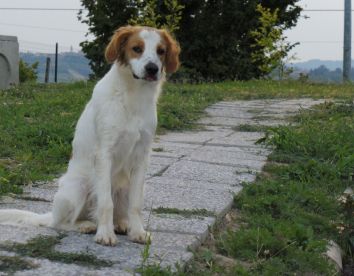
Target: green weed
point(184, 212)
point(12, 264)
point(250, 128)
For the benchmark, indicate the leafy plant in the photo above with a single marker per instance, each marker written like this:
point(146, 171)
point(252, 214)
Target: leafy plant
point(155, 14)
point(270, 48)
point(28, 72)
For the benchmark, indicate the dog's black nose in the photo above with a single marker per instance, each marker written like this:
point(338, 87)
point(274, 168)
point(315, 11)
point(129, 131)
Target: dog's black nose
point(151, 68)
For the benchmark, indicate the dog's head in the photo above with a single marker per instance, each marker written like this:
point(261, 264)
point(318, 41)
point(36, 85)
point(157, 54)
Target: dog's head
point(147, 51)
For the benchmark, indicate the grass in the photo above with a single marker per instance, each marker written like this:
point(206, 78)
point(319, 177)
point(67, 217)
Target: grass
point(37, 121)
point(36, 128)
point(44, 247)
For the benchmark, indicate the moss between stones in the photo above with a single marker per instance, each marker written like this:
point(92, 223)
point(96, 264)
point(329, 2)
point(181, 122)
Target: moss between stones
point(44, 247)
point(184, 212)
point(11, 264)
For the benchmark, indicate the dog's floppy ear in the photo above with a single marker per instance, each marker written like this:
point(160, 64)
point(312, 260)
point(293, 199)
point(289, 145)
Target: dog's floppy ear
point(115, 48)
point(172, 52)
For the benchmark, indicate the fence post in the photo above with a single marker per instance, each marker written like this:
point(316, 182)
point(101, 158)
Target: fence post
point(56, 63)
point(47, 66)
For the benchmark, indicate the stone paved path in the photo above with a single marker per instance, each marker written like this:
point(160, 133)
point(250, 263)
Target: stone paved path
point(193, 171)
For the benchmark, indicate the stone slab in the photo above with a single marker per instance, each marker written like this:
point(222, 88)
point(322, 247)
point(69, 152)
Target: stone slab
point(190, 170)
point(154, 169)
point(173, 149)
point(162, 160)
point(224, 121)
point(196, 137)
point(167, 193)
point(215, 111)
point(40, 207)
point(167, 247)
point(46, 267)
point(22, 234)
point(172, 223)
point(237, 139)
point(39, 193)
point(225, 156)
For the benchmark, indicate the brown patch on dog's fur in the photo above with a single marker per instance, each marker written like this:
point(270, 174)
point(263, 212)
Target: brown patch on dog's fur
point(134, 41)
point(116, 47)
point(172, 52)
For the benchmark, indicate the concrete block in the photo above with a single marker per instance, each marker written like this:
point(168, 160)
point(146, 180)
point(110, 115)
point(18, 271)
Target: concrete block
point(238, 139)
point(40, 207)
point(190, 170)
point(39, 193)
point(176, 223)
point(224, 156)
point(167, 193)
point(9, 61)
point(167, 247)
point(194, 137)
point(46, 267)
point(22, 234)
point(172, 149)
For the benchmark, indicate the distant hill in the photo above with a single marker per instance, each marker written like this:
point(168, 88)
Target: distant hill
point(71, 66)
point(74, 67)
point(316, 70)
point(315, 63)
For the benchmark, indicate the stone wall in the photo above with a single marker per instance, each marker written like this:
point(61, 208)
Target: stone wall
point(9, 61)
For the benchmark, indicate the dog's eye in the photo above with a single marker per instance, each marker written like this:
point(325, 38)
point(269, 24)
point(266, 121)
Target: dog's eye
point(137, 49)
point(161, 51)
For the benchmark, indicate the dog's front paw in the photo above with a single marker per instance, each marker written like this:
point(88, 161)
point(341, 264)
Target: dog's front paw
point(105, 237)
point(142, 237)
point(121, 227)
point(87, 227)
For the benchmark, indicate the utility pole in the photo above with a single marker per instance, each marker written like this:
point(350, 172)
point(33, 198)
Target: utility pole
point(347, 51)
point(56, 63)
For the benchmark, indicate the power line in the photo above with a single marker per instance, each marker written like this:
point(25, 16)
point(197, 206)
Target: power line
point(73, 9)
point(44, 28)
point(40, 9)
point(323, 42)
point(324, 10)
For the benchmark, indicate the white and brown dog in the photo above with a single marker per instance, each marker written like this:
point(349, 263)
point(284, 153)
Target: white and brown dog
point(103, 187)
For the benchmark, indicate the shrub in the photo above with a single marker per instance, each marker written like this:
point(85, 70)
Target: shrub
point(28, 72)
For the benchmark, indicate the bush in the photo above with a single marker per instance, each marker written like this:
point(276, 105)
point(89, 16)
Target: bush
point(28, 72)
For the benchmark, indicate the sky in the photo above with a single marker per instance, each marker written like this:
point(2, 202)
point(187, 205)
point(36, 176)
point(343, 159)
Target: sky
point(320, 35)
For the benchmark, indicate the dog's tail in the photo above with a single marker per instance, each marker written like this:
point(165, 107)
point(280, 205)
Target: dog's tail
point(21, 217)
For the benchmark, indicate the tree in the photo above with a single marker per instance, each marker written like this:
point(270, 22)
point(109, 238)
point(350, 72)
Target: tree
point(164, 14)
point(28, 72)
point(270, 47)
point(103, 17)
point(215, 36)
